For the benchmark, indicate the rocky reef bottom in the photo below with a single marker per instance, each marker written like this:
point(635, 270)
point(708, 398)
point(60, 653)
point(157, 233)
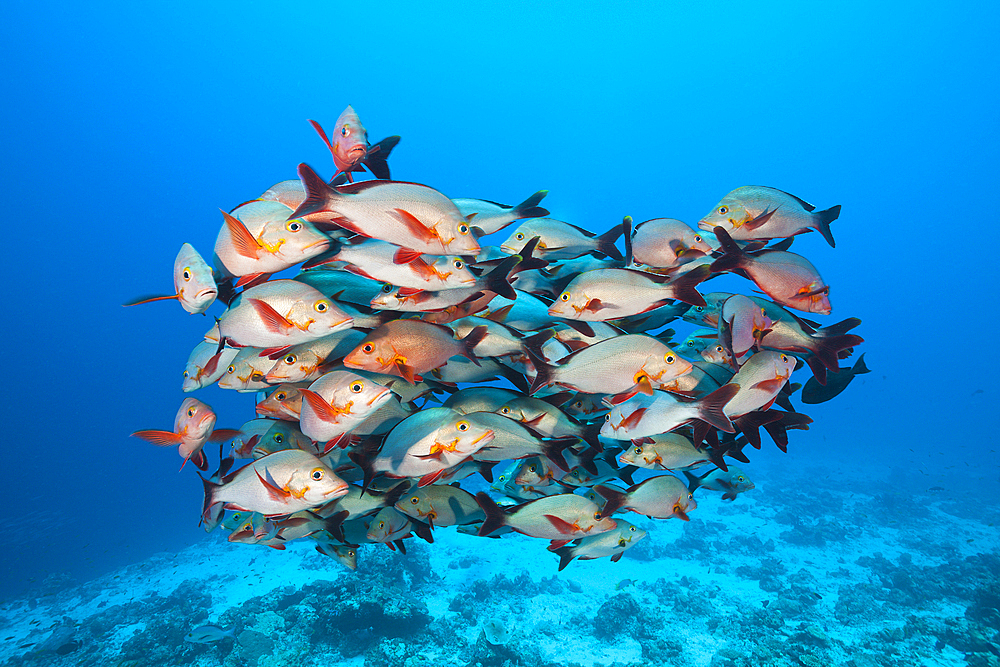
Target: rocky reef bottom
point(804, 570)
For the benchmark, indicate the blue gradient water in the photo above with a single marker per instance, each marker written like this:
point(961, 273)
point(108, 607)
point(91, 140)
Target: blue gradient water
point(127, 127)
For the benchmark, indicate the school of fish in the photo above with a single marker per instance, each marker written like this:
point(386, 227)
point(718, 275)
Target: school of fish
point(415, 374)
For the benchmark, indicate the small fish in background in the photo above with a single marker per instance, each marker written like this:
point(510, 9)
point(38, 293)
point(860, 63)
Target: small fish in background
point(561, 240)
point(612, 543)
point(487, 217)
point(731, 483)
point(623, 584)
point(193, 427)
point(836, 382)
point(755, 212)
point(344, 554)
point(663, 243)
point(194, 283)
point(496, 632)
point(350, 148)
point(209, 634)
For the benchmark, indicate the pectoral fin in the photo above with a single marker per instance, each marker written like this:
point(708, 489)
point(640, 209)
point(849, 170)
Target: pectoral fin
point(413, 224)
point(244, 242)
point(406, 372)
point(561, 525)
point(273, 320)
point(276, 494)
point(159, 438)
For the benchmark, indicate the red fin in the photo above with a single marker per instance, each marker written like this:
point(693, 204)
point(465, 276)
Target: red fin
point(681, 514)
point(633, 419)
point(644, 386)
point(500, 314)
point(223, 434)
point(319, 405)
point(406, 256)
point(618, 399)
point(274, 492)
point(534, 421)
point(561, 525)
point(273, 320)
point(275, 353)
point(151, 299)
point(159, 438)
point(617, 557)
point(760, 219)
point(341, 441)
point(594, 305)
point(322, 134)
point(252, 279)
point(413, 224)
point(429, 479)
point(774, 384)
point(405, 371)
point(408, 291)
point(558, 544)
point(243, 241)
point(199, 459)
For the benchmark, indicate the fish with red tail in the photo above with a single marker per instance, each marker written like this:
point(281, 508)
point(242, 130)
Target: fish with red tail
point(755, 212)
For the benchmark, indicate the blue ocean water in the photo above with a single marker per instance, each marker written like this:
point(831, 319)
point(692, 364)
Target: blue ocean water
point(127, 128)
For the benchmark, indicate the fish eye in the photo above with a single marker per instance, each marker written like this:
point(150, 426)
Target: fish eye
point(597, 516)
point(638, 450)
point(578, 404)
point(351, 553)
point(186, 273)
point(718, 348)
point(231, 370)
point(463, 426)
point(386, 288)
point(293, 225)
point(502, 478)
point(344, 130)
point(669, 358)
point(699, 309)
point(564, 296)
point(463, 229)
point(317, 474)
point(784, 358)
point(697, 239)
point(607, 417)
point(357, 387)
point(637, 263)
point(414, 500)
point(381, 524)
point(763, 311)
point(690, 496)
point(190, 412)
point(280, 396)
point(321, 306)
point(459, 264)
point(185, 373)
point(531, 468)
point(740, 478)
point(505, 410)
point(368, 348)
point(631, 529)
point(723, 210)
point(290, 359)
point(278, 438)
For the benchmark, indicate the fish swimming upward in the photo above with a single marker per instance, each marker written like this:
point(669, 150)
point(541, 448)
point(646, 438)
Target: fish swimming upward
point(415, 375)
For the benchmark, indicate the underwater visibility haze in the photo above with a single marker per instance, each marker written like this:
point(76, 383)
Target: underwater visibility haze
point(868, 135)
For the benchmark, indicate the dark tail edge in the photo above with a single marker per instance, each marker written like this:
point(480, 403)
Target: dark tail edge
point(712, 407)
point(495, 517)
point(734, 255)
point(376, 159)
point(498, 280)
point(614, 499)
point(859, 366)
point(685, 286)
point(823, 220)
point(529, 208)
point(565, 556)
point(471, 340)
point(317, 192)
point(627, 229)
point(606, 242)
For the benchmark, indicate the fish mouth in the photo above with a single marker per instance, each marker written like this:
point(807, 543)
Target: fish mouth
point(206, 293)
point(380, 397)
point(321, 242)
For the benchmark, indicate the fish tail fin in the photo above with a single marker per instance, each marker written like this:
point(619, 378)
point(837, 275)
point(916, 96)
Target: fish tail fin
point(515, 378)
point(495, 518)
point(627, 235)
point(469, 343)
point(859, 366)
point(823, 220)
point(363, 456)
point(553, 451)
point(614, 499)
point(734, 255)
point(606, 242)
point(750, 423)
point(395, 493)
point(685, 287)
point(591, 435)
point(318, 193)
point(378, 155)
point(778, 429)
point(211, 509)
point(498, 280)
point(826, 350)
point(565, 556)
point(544, 372)
point(712, 407)
point(695, 481)
point(529, 208)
